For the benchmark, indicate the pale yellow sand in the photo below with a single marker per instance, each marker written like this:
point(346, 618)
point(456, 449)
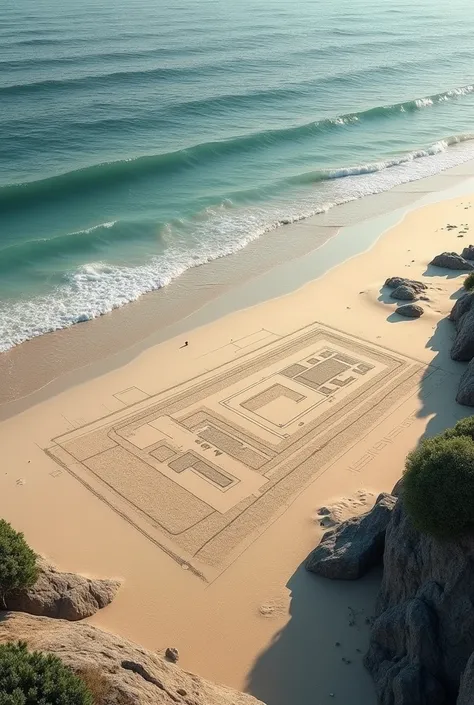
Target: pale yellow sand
point(195, 473)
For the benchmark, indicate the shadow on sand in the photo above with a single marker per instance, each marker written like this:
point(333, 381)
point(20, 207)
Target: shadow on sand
point(433, 271)
point(303, 664)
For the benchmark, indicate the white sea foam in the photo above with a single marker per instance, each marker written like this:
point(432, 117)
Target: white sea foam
point(107, 225)
point(442, 97)
point(423, 102)
point(97, 288)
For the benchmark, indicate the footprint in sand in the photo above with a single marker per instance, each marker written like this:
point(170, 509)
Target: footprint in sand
point(345, 507)
point(273, 608)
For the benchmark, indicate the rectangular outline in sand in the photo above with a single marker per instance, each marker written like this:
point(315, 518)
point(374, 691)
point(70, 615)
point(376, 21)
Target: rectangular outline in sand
point(292, 464)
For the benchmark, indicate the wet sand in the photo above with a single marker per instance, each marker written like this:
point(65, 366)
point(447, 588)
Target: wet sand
point(276, 264)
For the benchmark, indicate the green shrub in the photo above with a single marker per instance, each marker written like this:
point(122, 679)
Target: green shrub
point(465, 427)
point(17, 561)
point(438, 485)
point(469, 282)
point(38, 679)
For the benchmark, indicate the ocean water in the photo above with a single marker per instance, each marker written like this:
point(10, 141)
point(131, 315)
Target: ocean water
point(141, 138)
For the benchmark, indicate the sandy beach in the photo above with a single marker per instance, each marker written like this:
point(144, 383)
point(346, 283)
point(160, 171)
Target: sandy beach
point(195, 472)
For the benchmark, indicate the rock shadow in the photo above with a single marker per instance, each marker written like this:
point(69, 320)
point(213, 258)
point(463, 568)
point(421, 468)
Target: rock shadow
point(439, 385)
point(395, 317)
point(384, 296)
point(458, 293)
point(303, 664)
point(432, 271)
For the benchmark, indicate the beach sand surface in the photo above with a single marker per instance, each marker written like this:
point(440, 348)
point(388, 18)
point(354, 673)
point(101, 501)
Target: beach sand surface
point(195, 472)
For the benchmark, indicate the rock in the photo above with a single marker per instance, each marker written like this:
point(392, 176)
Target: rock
point(63, 595)
point(462, 314)
point(134, 675)
point(410, 311)
point(423, 634)
point(466, 691)
point(404, 293)
point(451, 260)
point(172, 654)
point(461, 307)
point(468, 252)
point(395, 282)
point(355, 546)
point(465, 393)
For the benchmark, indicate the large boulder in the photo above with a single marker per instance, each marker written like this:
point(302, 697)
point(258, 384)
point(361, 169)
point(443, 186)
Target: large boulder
point(451, 260)
point(351, 549)
point(63, 595)
point(404, 293)
point(410, 310)
point(461, 307)
point(462, 315)
point(423, 634)
point(132, 675)
point(465, 393)
point(395, 282)
point(468, 252)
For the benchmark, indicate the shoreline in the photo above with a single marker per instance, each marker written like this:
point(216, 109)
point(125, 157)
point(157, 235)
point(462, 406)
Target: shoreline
point(272, 625)
point(273, 266)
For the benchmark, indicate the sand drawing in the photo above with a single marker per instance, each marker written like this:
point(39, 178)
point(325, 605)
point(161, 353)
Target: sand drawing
point(201, 469)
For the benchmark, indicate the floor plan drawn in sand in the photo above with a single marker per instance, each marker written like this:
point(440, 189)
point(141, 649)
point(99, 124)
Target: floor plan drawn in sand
point(202, 468)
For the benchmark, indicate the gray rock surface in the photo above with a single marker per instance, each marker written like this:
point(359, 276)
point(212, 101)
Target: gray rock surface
point(63, 595)
point(423, 634)
point(404, 293)
point(461, 307)
point(468, 252)
point(410, 310)
point(462, 315)
point(465, 393)
point(351, 549)
point(134, 675)
point(395, 282)
point(466, 691)
point(451, 260)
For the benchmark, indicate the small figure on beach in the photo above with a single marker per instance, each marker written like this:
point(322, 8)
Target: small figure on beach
point(185, 344)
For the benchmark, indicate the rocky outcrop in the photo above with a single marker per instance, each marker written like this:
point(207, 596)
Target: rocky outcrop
point(423, 634)
point(461, 307)
point(462, 315)
point(451, 260)
point(404, 293)
point(410, 311)
point(350, 550)
point(468, 252)
point(133, 675)
point(396, 282)
point(465, 393)
point(63, 595)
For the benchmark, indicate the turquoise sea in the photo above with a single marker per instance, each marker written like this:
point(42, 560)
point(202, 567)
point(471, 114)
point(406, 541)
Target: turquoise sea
point(141, 138)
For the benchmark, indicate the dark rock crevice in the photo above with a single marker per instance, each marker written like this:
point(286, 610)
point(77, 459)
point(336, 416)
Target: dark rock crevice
point(423, 634)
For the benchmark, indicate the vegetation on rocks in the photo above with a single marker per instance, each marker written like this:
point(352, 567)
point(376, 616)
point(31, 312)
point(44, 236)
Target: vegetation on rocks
point(438, 486)
point(469, 282)
point(34, 678)
point(464, 427)
point(18, 567)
